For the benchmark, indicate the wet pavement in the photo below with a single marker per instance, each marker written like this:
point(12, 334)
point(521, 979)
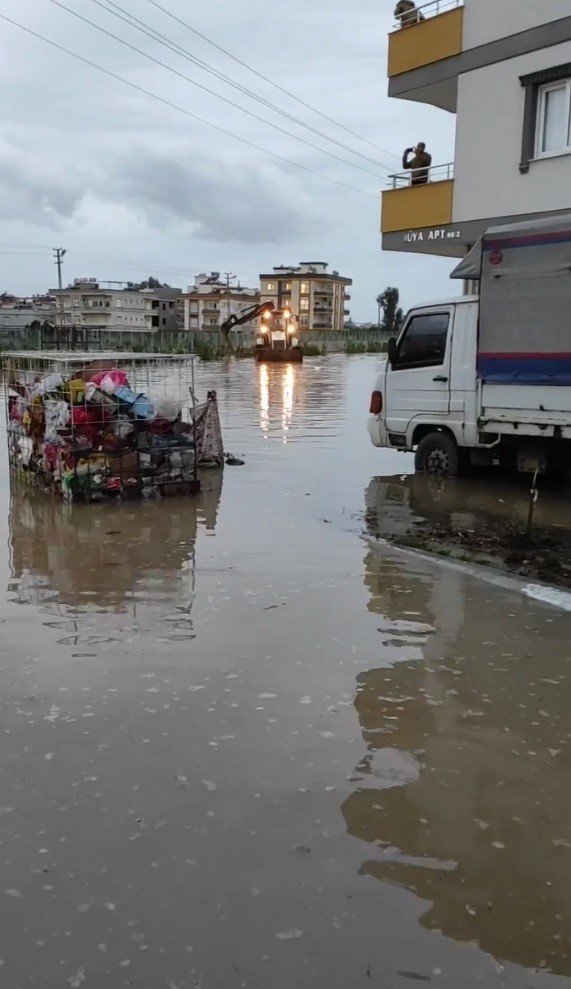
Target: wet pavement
point(243, 746)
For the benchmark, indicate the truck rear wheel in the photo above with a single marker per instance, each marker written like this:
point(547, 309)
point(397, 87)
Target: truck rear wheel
point(438, 454)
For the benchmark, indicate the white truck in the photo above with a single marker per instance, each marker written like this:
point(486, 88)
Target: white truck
point(486, 379)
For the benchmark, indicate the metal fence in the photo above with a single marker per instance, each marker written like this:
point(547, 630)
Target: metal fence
point(426, 10)
point(435, 173)
point(204, 343)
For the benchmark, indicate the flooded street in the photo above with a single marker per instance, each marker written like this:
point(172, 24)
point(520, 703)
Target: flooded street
point(243, 746)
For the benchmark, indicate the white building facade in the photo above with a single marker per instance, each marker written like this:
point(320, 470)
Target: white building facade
point(22, 313)
point(504, 69)
point(92, 307)
point(318, 298)
point(210, 301)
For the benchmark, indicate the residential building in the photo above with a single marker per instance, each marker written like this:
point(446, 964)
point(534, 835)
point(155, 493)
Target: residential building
point(210, 301)
point(318, 298)
point(503, 67)
point(92, 307)
point(19, 313)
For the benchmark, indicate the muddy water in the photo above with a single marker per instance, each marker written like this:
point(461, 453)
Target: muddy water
point(243, 747)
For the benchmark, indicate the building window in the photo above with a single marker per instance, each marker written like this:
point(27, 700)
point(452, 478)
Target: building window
point(554, 123)
point(304, 321)
point(547, 114)
point(270, 287)
point(304, 288)
point(304, 304)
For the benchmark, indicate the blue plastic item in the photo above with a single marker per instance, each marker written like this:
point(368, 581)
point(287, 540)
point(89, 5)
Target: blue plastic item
point(140, 404)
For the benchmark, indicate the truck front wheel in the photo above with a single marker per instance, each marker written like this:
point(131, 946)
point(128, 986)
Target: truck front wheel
point(438, 454)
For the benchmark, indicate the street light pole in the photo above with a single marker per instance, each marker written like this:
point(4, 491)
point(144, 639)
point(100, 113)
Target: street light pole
point(59, 254)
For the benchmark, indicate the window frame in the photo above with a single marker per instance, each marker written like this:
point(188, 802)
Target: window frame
point(542, 93)
point(419, 314)
point(533, 84)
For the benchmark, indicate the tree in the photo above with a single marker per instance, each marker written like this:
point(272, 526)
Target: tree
point(149, 283)
point(392, 315)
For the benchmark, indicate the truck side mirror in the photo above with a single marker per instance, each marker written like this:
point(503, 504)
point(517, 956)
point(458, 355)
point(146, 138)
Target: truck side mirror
point(392, 349)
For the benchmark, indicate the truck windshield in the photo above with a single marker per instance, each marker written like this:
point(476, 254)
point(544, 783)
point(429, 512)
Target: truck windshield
point(424, 341)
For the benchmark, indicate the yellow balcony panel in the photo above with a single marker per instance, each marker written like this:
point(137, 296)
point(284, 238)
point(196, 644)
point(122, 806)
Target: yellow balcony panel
point(428, 41)
point(427, 205)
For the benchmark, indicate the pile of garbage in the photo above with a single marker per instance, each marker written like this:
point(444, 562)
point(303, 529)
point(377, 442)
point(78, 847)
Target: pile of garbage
point(91, 436)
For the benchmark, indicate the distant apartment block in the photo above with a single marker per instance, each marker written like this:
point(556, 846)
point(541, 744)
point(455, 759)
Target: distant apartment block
point(93, 307)
point(318, 298)
point(20, 313)
point(210, 301)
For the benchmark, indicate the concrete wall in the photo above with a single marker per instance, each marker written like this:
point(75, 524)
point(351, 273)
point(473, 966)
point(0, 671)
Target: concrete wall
point(489, 137)
point(488, 20)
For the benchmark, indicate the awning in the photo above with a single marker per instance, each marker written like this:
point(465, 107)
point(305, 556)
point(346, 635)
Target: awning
point(471, 265)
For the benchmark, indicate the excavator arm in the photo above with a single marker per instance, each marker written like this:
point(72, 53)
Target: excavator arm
point(236, 319)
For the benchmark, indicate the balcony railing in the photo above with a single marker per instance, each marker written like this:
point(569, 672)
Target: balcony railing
point(436, 173)
point(426, 10)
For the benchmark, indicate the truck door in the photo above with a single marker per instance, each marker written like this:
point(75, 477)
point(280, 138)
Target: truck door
point(418, 380)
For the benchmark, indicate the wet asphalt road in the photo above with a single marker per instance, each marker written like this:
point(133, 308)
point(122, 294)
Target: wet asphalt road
point(241, 747)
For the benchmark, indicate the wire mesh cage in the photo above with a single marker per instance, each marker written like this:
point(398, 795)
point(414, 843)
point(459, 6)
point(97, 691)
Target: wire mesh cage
point(95, 427)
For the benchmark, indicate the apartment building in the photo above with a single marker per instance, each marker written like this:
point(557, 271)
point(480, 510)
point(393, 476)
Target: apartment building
point(92, 307)
point(20, 313)
point(210, 301)
point(503, 67)
point(318, 298)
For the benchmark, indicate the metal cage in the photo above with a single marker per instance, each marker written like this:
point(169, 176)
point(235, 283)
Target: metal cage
point(97, 426)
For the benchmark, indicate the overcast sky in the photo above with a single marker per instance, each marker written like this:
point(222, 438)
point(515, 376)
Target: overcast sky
point(132, 187)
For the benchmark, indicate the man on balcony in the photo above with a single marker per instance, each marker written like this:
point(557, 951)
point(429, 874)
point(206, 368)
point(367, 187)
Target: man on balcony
point(419, 165)
point(407, 13)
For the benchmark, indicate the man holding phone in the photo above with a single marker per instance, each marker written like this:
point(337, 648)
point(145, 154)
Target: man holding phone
point(419, 165)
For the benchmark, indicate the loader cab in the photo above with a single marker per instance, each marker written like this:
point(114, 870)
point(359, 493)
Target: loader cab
point(278, 336)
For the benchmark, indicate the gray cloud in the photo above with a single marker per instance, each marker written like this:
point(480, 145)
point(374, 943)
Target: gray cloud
point(30, 191)
point(118, 173)
point(237, 203)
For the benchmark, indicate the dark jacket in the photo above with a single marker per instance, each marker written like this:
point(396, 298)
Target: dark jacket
point(419, 166)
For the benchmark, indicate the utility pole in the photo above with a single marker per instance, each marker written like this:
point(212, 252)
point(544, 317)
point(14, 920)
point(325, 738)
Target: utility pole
point(59, 254)
point(229, 278)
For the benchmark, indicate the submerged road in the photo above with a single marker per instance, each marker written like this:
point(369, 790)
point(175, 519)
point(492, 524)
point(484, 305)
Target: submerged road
point(243, 748)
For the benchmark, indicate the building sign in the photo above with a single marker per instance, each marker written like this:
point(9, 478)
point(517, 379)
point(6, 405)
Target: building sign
point(436, 234)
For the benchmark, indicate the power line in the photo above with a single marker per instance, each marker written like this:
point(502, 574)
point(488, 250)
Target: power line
point(180, 109)
point(25, 254)
point(260, 75)
point(150, 32)
point(146, 266)
point(211, 92)
point(41, 247)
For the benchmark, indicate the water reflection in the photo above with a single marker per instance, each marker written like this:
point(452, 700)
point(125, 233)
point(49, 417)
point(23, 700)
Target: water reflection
point(277, 386)
point(396, 502)
point(133, 563)
point(463, 787)
point(264, 398)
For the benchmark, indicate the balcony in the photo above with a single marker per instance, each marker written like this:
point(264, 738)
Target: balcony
point(432, 38)
point(406, 206)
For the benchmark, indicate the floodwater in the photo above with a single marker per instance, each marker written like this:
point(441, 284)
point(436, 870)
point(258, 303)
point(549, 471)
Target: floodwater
point(242, 746)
